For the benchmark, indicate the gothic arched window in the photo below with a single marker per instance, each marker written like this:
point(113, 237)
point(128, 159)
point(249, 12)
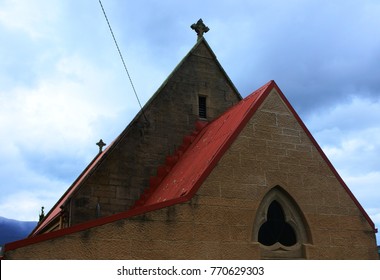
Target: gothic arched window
point(276, 229)
point(280, 227)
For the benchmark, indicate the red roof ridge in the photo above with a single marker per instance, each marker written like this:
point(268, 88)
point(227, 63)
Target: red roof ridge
point(154, 201)
point(198, 157)
point(56, 210)
point(170, 162)
point(203, 154)
point(157, 193)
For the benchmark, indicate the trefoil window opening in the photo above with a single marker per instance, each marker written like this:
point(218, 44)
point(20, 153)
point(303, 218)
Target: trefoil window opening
point(276, 229)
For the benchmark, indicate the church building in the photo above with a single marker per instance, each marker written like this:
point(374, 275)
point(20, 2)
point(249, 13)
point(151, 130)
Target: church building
point(201, 173)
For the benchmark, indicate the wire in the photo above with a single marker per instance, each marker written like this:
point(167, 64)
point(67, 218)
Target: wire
point(122, 59)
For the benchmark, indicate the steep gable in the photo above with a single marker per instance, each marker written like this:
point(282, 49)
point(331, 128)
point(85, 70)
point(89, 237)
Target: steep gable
point(285, 129)
point(159, 195)
point(221, 178)
point(218, 182)
point(204, 153)
point(115, 179)
point(275, 158)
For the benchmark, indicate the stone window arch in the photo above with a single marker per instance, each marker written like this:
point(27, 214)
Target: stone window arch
point(280, 227)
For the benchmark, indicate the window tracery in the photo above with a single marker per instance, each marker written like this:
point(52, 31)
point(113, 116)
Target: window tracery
point(280, 226)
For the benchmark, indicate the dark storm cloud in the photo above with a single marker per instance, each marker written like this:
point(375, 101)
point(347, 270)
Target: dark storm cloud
point(319, 52)
point(319, 57)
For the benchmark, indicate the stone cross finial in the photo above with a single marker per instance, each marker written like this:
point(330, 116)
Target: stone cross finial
point(200, 28)
point(42, 214)
point(101, 144)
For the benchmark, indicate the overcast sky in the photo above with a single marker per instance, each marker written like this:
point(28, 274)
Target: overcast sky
point(63, 86)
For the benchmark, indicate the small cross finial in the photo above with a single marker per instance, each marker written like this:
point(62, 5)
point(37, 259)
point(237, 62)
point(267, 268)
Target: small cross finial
point(42, 215)
point(200, 28)
point(101, 144)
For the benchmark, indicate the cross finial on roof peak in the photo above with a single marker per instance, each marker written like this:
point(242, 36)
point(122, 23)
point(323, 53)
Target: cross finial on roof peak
point(200, 28)
point(101, 144)
point(42, 214)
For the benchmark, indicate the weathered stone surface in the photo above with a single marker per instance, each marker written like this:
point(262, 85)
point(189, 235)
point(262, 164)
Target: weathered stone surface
point(172, 113)
point(271, 152)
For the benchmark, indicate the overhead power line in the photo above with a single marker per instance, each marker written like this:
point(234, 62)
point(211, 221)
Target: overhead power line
point(122, 59)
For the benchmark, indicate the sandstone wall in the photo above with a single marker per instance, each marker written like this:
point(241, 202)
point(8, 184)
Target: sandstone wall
point(272, 150)
point(171, 113)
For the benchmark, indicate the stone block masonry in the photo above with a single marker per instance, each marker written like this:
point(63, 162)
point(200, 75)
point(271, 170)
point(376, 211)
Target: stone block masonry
point(172, 112)
point(219, 221)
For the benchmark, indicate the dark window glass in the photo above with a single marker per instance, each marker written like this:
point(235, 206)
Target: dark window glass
point(276, 229)
point(202, 107)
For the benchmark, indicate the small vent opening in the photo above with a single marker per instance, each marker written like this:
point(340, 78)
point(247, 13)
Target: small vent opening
point(202, 107)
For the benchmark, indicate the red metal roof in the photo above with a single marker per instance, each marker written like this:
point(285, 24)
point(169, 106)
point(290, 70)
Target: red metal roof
point(55, 212)
point(186, 176)
point(184, 172)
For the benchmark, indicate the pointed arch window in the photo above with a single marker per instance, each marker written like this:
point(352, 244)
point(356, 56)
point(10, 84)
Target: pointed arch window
point(276, 228)
point(280, 227)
